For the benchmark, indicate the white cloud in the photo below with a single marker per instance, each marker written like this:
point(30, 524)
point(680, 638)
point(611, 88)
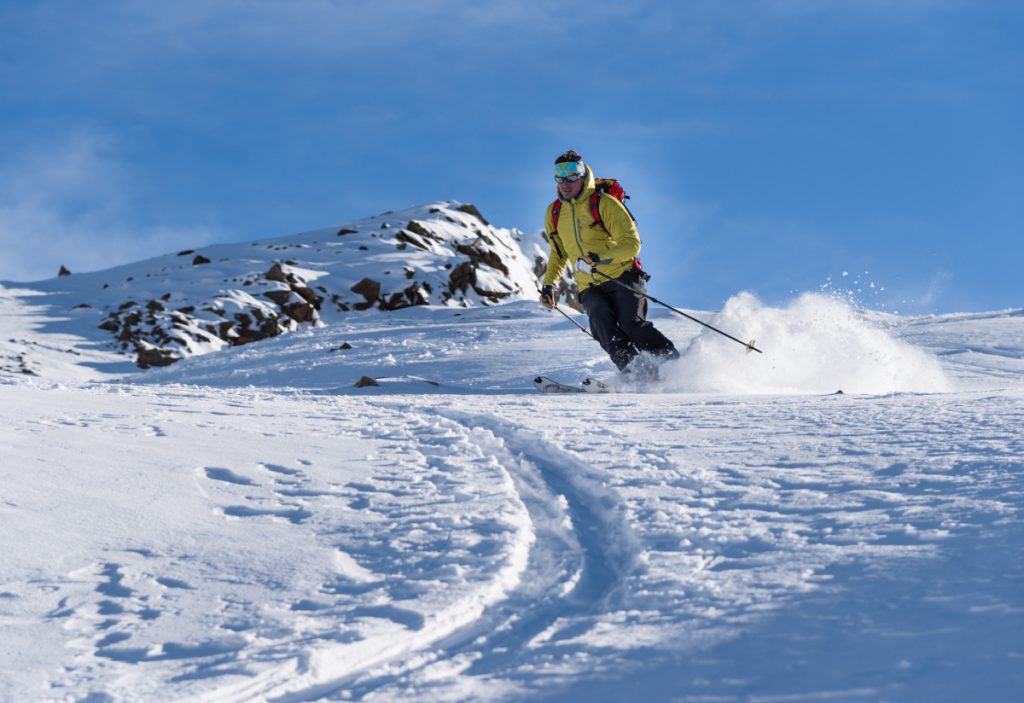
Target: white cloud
point(71, 204)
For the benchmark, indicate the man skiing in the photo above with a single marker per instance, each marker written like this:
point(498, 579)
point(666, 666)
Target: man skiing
point(600, 236)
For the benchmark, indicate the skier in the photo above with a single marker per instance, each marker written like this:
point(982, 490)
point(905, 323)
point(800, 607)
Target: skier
point(599, 234)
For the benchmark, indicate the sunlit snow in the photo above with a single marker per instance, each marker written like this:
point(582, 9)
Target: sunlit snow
point(247, 525)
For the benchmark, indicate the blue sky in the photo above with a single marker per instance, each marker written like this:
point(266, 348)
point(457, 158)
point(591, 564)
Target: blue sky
point(768, 146)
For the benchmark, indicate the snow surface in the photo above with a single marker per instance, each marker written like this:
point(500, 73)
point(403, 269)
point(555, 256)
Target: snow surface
point(247, 525)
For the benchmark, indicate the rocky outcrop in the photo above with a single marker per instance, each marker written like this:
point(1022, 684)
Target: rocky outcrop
point(414, 294)
point(369, 289)
point(470, 209)
point(149, 356)
point(446, 254)
point(293, 295)
point(160, 336)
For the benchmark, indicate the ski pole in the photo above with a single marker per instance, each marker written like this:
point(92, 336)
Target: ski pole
point(749, 345)
point(583, 329)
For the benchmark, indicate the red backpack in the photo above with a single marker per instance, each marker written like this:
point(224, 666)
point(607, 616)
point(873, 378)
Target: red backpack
point(603, 185)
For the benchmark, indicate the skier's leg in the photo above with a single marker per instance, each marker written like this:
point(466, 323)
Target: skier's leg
point(631, 316)
point(603, 325)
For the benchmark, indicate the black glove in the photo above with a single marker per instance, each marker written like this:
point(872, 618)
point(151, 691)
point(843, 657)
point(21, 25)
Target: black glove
point(547, 296)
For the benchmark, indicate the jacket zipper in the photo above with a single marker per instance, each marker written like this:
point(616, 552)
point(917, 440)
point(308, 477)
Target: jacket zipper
point(576, 228)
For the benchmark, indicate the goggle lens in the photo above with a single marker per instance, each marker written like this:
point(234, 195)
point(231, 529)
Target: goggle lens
point(569, 171)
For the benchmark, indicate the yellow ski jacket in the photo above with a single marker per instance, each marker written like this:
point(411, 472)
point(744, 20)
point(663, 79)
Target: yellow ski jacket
point(578, 235)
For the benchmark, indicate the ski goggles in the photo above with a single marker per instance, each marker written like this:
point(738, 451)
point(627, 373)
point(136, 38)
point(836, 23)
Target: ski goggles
point(569, 172)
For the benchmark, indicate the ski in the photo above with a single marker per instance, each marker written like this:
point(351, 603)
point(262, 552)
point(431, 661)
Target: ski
point(594, 385)
point(588, 385)
point(548, 385)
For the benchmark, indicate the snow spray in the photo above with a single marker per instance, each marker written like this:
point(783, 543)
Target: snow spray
point(817, 344)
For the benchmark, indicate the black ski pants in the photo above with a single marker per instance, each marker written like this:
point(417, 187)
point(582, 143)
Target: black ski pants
point(618, 320)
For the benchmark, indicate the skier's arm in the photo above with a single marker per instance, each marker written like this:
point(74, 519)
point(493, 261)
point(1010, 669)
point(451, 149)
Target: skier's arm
point(558, 259)
point(625, 240)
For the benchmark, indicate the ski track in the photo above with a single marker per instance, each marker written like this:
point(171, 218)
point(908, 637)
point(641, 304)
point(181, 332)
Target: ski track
point(577, 568)
point(580, 549)
point(323, 670)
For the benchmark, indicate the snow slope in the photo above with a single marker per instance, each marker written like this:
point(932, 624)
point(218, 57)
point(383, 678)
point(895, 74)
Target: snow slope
point(248, 525)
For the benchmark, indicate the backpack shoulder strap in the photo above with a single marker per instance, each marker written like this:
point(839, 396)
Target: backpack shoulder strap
point(595, 205)
point(556, 207)
point(595, 209)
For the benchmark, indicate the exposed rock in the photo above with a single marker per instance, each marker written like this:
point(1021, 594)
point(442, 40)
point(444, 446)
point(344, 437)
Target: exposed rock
point(151, 356)
point(63, 271)
point(186, 252)
point(417, 228)
point(200, 259)
point(298, 301)
point(470, 209)
point(280, 296)
point(369, 289)
point(365, 382)
point(413, 295)
point(276, 273)
point(407, 238)
point(483, 256)
point(462, 277)
point(302, 313)
point(342, 232)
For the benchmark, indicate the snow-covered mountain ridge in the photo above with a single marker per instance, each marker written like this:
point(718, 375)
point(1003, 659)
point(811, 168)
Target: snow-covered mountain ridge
point(196, 301)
